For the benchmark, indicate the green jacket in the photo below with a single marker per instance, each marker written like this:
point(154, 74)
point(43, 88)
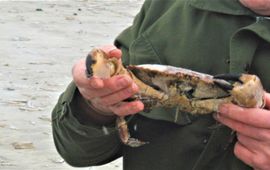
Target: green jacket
point(209, 36)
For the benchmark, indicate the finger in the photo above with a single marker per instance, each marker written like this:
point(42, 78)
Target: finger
point(119, 95)
point(259, 6)
point(243, 154)
point(257, 160)
point(92, 83)
point(100, 107)
point(98, 88)
point(115, 53)
point(95, 83)
point(250, 143)
point(127, 108)
point(245, 129)
point(117, 83)
point(90, 94)
point(252, 116)
point(111, 51)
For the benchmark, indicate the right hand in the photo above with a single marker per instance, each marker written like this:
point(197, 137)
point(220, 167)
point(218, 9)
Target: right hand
point(107, 95)
point(261, 7)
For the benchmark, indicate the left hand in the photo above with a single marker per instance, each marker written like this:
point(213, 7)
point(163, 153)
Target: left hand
point(252, 126)
point(261, 7)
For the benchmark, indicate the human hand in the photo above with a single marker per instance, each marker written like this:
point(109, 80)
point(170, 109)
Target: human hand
point(107, 95)
point(261, 7)
point(252, 126)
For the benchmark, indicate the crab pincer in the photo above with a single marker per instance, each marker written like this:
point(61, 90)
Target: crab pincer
point(222, 80)
point(246, 89)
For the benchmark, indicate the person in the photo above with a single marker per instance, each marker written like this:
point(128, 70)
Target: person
point(221, 36)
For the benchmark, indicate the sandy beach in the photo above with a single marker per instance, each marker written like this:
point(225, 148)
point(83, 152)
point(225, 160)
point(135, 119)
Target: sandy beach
point(39, 43)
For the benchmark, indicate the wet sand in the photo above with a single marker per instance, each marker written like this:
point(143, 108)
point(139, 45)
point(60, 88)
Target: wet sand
point(39, 43)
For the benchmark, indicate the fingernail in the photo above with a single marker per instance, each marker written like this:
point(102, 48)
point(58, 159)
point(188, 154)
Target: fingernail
point(223, 109)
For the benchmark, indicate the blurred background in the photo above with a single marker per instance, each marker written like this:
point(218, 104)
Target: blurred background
point(39, 42)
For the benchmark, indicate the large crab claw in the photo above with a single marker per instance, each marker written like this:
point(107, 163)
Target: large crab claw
point(100, 65)
point(246, 89)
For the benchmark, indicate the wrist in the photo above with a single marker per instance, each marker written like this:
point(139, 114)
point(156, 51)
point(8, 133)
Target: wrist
point(89, 115)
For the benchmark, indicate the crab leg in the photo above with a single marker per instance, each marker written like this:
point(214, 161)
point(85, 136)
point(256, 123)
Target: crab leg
point(125, 135)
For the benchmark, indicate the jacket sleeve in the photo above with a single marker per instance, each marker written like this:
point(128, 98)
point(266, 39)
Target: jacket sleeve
point(80, 144)
point(89, 144)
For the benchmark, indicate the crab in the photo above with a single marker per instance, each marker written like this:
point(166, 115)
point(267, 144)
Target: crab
point(168, 86)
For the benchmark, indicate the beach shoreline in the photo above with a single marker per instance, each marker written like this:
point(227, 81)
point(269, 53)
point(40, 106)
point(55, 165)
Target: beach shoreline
point(40, 41)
